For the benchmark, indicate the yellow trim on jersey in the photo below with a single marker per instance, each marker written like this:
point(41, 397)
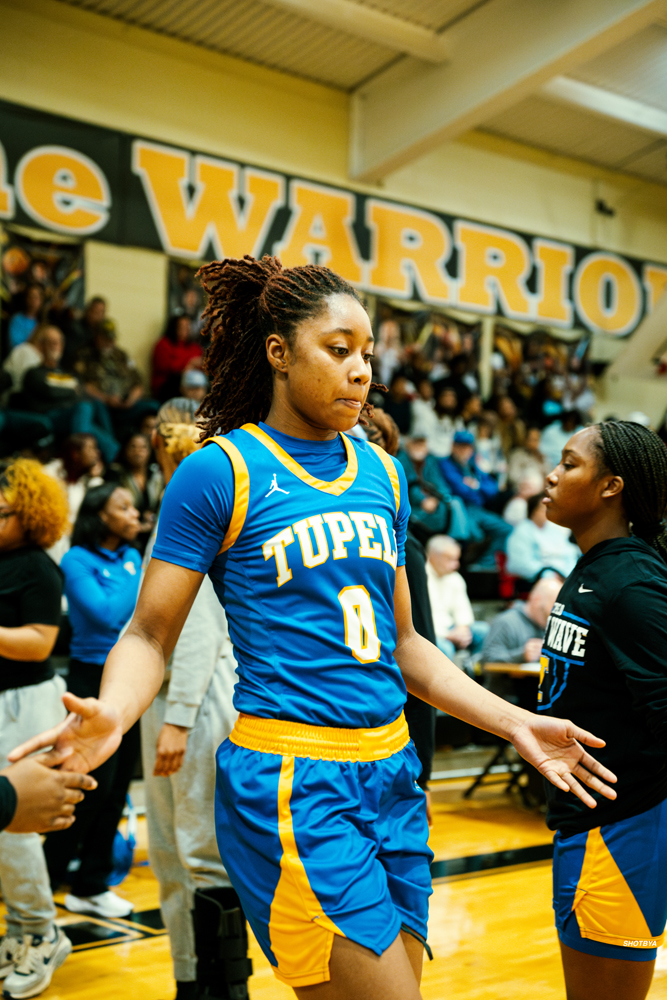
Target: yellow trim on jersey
point(241, 490)
point(335, 488)
point(604, 905)
point(297, 739)
point(391, 472)
point(297, 918)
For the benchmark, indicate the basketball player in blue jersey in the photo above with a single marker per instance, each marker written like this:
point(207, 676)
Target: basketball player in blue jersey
point(320, 822)
point(605, 662)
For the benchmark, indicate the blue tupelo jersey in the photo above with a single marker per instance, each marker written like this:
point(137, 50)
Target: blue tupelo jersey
point(304, 567)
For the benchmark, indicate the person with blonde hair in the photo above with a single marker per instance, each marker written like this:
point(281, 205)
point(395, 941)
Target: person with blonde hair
point(33, 515)
point(180, 733)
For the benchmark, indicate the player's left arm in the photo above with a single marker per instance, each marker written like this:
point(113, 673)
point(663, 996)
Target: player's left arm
point(551, 745)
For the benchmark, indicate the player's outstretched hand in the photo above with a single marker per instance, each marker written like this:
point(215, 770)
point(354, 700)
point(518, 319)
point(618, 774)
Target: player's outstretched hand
point(553, 746)
point(45, 796)
point(90, 734)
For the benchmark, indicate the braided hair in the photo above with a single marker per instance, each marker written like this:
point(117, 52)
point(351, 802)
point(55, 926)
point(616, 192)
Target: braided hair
point(638, 455)
point(248, 300)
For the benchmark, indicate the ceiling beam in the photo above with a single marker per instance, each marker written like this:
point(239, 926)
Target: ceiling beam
point(565, 90)
point(502, 52)
point(374, 25)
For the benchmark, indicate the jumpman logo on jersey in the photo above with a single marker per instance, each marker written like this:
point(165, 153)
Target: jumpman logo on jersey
point(275, 488)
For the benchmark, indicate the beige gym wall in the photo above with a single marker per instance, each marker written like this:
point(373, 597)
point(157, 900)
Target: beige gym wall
point(68, 61)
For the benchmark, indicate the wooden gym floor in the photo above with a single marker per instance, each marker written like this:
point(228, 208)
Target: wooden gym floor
point(491, 927)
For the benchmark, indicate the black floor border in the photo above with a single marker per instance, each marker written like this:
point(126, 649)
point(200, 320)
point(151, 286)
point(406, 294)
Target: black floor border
point(481, 864)
point(88, 932)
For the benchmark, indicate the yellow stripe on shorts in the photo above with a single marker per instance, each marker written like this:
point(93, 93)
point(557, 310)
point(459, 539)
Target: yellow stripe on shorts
point(604, 904)
point(297, 918)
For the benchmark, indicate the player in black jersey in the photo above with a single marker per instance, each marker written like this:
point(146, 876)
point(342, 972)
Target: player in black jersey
point(604, 663)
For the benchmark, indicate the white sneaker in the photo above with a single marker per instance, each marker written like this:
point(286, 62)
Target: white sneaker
point(9, 949)
point(36, 962)
point(105, 904)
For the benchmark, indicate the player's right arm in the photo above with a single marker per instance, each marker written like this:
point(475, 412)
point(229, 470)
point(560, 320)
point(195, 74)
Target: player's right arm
point(195, 512)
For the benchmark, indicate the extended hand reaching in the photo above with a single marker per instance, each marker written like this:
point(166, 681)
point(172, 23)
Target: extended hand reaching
point(553, 746)
point(90, 734)
point(45, 797)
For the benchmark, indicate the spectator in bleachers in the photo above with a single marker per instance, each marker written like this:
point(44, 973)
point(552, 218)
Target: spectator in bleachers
point(434, 510)
point(33, 515)
point(388, 351)
point(515, 511)
point(101, 583)
point(475, 488)
point(556, 435)
point(398, 402)
point(80, 333)
point(511, 428)
point(471, 410)
point(577, 392)
point(175, 352)
point(58, 396)
point(23, 322)
point(440, 433)
point(30, 353)
point(527, 459)
point(537, 544)
point(110, 376)
point(141, 477)
point(79, 468)
point(488, 448)
point(516, 636)
point(423, 407)
point(460, 378)
point(194, 385)
point(453, 617)
point(147, 424)
point(546, 403)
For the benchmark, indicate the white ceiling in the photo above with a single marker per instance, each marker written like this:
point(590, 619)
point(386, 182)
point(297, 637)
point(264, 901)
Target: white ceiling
point(429, 70)
point(265, 33)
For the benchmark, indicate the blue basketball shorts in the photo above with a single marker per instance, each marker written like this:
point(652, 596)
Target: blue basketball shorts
point(610, 887)
point(322, 832)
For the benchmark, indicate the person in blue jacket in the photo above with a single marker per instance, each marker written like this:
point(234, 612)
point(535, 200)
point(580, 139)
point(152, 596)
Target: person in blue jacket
point(102, 572)
point(467, 481)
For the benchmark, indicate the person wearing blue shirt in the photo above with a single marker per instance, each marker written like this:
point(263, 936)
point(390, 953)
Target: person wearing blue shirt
point(467, 481)
point(301, 529)
point(102, 572)
point(22, 323)
point(433, 508)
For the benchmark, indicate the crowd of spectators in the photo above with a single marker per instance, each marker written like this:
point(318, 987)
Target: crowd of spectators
point(476, 467)
point(73, 398)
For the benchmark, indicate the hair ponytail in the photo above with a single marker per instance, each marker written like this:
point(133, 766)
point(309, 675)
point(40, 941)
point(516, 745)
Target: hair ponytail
point(248, 300)
point(177, 426)
point(639, 457)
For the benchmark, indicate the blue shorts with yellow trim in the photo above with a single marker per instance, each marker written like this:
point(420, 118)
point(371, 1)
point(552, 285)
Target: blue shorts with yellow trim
point(323, 832)
point(610, 887)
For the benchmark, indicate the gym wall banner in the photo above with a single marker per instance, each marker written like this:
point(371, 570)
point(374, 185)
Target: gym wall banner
point(82, 180)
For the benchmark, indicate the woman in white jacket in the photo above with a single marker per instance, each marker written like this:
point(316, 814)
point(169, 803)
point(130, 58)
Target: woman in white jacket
point(181, 731)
